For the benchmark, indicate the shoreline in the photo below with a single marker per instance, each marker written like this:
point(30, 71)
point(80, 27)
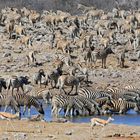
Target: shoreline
point(31, 130)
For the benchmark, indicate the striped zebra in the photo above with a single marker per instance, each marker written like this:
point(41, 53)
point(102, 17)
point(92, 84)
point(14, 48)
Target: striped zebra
point(46, 95)
point(7, 100)
point(27, 101)
point(102, 54)
point(90, 105)
point(122, 93)
point(67, 60)
point(91, 94)
point(18, 82)
point(115, 92)
point(121, 106)
point(62, 101)
point(132, 88)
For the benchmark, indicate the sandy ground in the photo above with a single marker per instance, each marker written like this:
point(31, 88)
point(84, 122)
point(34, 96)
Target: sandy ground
point(29, 130)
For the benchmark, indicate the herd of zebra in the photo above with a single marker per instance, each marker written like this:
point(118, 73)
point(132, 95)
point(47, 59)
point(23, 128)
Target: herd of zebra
point(85, 101)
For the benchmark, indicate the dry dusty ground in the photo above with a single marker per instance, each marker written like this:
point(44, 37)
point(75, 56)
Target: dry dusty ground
point(28, 130)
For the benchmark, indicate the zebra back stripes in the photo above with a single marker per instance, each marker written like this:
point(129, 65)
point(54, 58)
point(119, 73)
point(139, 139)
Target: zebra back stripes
point(91, 94)
point(28, 101)
point(122, 106)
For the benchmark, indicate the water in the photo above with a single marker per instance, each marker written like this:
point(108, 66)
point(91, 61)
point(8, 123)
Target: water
point(132, 118)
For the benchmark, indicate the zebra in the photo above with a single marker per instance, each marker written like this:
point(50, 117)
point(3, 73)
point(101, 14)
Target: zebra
point(91, 94)
point(27, 101)
point(121, 106)
point(122, 93)
point(46, 95)
point(102, 54)
point(37, 78)
point(89, 104)
point(62, 101)
point(67, 60)
point(7, 100)
point(115, 92)
point(18, 82)
point(2, 84)
point(101, 101)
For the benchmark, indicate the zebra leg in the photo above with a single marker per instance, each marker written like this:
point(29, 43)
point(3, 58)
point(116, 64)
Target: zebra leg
point(29, 112)
point(24, 110)
point(71, 112)
point(56, 112)
point(52, 111)
point(67, 112)
point(59, 110)
point(5, 108)
point(121, 111)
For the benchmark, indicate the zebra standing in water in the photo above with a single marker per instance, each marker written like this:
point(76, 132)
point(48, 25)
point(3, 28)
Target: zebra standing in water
point(62, 101)
point(27, 101)
point(121, 106)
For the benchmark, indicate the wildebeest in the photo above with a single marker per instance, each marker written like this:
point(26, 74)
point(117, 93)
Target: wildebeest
point(18, 82)
point(69, 81)
point(54, 75)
